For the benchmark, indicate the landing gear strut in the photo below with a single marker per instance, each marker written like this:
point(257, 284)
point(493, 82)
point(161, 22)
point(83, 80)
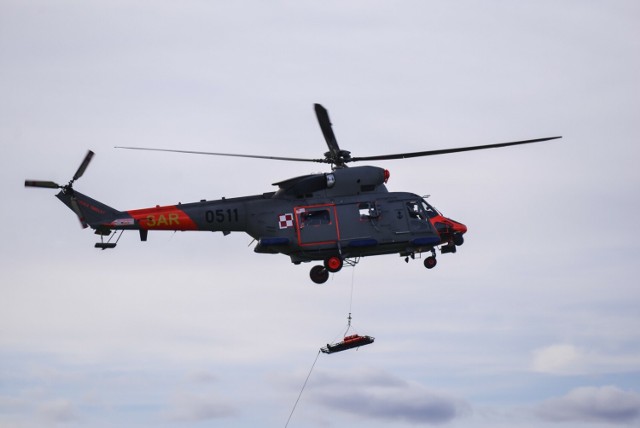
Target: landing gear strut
point(431, 262)
point(320, 273)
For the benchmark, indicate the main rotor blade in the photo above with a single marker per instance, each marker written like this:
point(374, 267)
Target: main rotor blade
point(325, 124)
point(446, 151)
point(39, 183)
point(83, 165)
point(224, 154)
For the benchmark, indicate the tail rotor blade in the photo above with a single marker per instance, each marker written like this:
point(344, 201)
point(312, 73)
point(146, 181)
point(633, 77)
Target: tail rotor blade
point(83, 165)
point(78, 211)
point(43, 184)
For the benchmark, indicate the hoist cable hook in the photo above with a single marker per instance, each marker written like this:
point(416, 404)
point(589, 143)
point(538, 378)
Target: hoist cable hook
point(348, 325)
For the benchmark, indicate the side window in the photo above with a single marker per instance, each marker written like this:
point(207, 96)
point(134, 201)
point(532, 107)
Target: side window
point(316, 217)
point(367, 210)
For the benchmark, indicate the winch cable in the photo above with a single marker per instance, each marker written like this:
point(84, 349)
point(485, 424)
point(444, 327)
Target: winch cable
point(353, 274)
point(302, 390)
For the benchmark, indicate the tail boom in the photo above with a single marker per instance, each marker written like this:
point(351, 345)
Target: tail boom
point(94, 213)
point(223, 215)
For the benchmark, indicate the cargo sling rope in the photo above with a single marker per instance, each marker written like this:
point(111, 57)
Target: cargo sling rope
point(303, 386)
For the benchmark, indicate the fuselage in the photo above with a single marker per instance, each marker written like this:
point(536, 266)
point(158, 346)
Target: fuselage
point(347, 213)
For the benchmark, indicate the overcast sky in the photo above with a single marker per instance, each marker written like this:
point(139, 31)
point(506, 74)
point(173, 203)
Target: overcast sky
point(533, 323)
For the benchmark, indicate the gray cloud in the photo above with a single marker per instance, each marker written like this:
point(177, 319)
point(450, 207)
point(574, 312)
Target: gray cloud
point(593, 404)
point(202, 377)
point(189, 407)
point(379, 395)
point(57, 411)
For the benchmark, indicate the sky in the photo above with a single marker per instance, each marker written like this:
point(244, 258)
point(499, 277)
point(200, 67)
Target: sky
point(534, 322)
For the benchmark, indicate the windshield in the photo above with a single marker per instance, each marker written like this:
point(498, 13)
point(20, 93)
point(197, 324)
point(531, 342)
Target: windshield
point(430, 209)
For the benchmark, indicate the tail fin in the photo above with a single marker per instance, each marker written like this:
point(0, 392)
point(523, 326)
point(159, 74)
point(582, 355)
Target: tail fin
point(89, 210)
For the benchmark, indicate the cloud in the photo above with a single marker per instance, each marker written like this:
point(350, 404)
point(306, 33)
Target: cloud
point(378, 395)
point(189, 407)
point(558, 359)
point(58, 410)
point(593, 404)
point(202, 377)
point(565, 359)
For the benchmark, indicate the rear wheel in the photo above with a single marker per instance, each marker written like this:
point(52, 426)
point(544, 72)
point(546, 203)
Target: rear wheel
point(333, 264)
point(319, 274)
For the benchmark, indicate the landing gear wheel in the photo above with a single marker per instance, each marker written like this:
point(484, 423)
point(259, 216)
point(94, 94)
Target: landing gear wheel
point(333, 264)
point(430, 262)
point(319, 274)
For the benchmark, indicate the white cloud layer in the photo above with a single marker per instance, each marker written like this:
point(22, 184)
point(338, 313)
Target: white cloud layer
point(558, 359)
point(566, 359)
point(593, 404)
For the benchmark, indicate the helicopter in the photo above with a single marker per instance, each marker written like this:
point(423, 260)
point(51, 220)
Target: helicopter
point(335, 218)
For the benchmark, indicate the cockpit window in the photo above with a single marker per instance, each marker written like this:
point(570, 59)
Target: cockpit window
point(430, 209)
point(415, 210)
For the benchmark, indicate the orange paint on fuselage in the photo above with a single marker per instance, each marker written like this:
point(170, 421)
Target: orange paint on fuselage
point(163, 218)
point(447, 227)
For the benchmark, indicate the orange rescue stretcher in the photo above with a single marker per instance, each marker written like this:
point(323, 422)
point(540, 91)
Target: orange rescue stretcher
point(349, 342)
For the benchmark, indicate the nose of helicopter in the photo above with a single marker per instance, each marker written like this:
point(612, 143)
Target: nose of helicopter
point(446, 225)
point(458, 227)
point(450, 225)
point(457, 230)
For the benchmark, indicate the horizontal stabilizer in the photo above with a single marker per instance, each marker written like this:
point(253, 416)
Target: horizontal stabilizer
point(105, 245)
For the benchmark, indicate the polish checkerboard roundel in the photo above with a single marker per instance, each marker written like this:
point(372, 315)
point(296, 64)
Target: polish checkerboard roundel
point(285, 220)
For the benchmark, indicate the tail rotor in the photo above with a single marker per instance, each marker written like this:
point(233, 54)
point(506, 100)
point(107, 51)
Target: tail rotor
point(67, 188)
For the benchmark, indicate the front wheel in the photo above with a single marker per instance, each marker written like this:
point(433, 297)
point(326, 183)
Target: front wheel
point(430, 262)
point(319, 274)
